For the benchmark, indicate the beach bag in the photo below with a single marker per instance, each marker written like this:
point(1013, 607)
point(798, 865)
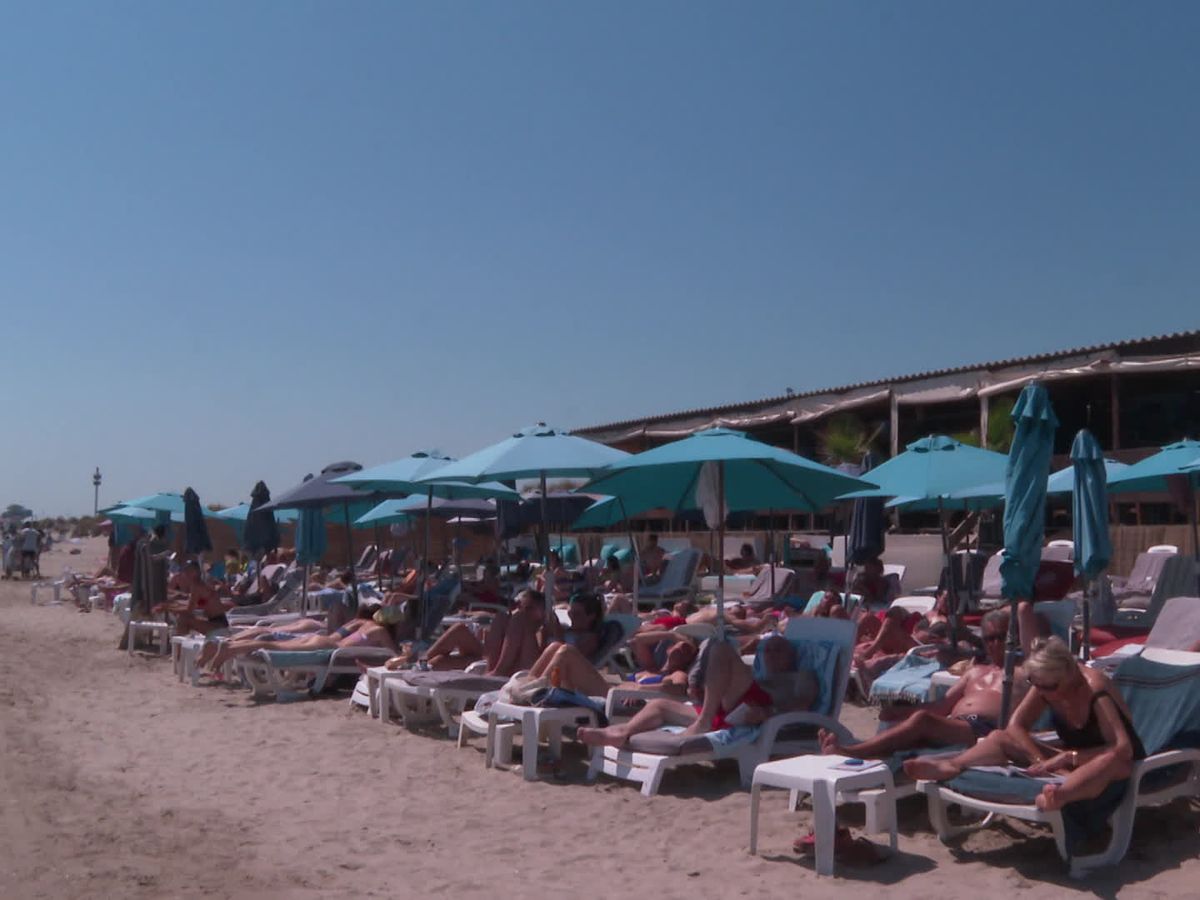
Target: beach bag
point(520, 689)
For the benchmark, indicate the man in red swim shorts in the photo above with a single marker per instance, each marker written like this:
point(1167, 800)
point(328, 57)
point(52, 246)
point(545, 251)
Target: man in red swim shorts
point(730, 697)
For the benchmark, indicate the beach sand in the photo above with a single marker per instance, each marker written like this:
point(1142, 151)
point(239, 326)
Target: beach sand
point(117, 780)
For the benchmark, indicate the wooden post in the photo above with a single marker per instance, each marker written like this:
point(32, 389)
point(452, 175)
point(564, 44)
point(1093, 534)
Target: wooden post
point(894, 423)
point(1114, 404)
point(983, 421)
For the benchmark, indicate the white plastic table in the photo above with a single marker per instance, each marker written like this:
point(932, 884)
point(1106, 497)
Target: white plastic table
point(819, 776)
point(533, 719)
point(376, 676)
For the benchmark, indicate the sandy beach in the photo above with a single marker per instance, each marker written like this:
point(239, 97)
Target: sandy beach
point(119, 780)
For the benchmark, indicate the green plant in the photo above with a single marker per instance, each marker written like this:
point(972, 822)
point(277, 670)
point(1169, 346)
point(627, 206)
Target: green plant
point(1000, 428)
point(844, 439)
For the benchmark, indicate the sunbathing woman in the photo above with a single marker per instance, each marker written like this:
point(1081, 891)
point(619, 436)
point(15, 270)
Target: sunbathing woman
point(730, 690)
point(1093, 723)
point(360, 632)
point(509, 643)
point(283, 632)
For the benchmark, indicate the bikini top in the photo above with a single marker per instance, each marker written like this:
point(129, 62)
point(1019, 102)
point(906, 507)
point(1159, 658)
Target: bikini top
point(1089, 734)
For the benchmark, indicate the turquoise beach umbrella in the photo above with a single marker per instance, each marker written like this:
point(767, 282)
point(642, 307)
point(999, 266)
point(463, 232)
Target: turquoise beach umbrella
point(238, 514)
point(1181, 461)
point(1089, 519)
point(929, 475)
point(1024, 512)
point(410, 476)
point(719, 470)
point(1153, 472)
point(931, 472)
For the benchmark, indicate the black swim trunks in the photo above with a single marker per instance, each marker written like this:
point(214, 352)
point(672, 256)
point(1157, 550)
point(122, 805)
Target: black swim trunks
point(981, 725)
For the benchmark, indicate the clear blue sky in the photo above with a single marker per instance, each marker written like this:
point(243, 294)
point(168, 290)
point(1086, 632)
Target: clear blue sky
point(240, 240)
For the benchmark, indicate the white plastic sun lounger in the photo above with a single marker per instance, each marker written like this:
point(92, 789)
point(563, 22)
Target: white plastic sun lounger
point(1139, 678)
point(647, 768)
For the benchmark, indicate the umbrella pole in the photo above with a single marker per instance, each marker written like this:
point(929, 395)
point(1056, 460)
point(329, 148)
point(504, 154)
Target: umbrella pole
point(1085, 651)
point(424, 564)
point(549, 585)
point(721, 543)
point(633, 549)
point(304, 592)
point(951, 581)
point(771, 548)
point(350, 554)
point(1192, 517)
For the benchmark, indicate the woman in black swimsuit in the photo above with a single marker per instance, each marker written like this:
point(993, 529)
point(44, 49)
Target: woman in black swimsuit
point(1097, 742)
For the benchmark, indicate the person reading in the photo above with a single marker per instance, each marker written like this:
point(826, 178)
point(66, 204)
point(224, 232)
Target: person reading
point(1097, 741)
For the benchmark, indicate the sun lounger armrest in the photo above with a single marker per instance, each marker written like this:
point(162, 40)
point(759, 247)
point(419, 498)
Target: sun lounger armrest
point(1163, 760)
point(618, 697)
point(780, 721)
point(345, 655)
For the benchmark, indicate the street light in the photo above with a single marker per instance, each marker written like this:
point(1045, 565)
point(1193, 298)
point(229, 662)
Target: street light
point(96, 485)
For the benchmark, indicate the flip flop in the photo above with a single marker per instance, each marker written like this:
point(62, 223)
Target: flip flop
point(807, 845)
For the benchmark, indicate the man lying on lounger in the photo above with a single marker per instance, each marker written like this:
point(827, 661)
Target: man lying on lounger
point(731, 696)
point(663, 659)
point(969, 711)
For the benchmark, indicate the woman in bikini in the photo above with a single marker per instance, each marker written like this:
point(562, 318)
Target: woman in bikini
point(1098, 742)
point(365, 631)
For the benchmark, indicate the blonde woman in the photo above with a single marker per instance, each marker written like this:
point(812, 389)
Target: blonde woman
point(1098, 742)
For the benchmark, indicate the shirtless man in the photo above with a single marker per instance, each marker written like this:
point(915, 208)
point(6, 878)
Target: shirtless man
point(663, 657)
point(360, 632)
point(653, 560)
point(730, 689)
point(509, 643)
point(203, 610)
point(969, 711)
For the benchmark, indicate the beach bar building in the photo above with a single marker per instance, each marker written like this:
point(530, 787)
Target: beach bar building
point(1134, 395)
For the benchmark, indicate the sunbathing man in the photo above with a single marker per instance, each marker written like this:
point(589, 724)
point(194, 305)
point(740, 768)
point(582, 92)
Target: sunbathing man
point(969, 711)
point(653, 560)
point(745, 561)
point(731, 696)
point(878, 654)
point(663, 657)
point(360, 632)
point(871, 584)
point(509, 643)
point(1095, 753)
point(205, 607)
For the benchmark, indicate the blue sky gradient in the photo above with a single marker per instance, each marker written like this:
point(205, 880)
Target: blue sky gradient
point(242, 240)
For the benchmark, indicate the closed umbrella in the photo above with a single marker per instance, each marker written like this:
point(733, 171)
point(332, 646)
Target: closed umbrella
point(261, 533)
point(718, 470)
point(928, 475)
point(1024, 514)
point(196, 541)
point(311, 541)
point(1089, 520)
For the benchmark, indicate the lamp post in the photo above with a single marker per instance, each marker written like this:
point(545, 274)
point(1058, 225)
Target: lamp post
point(96, 497)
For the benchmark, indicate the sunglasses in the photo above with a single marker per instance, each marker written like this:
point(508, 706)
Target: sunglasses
point(993, 638)
point(1044, 688)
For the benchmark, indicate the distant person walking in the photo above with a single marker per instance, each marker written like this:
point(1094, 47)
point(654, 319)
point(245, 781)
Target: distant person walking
point(31, 545)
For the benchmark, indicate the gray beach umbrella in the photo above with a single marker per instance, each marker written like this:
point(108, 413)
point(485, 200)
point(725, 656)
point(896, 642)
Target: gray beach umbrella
point(261, 533)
